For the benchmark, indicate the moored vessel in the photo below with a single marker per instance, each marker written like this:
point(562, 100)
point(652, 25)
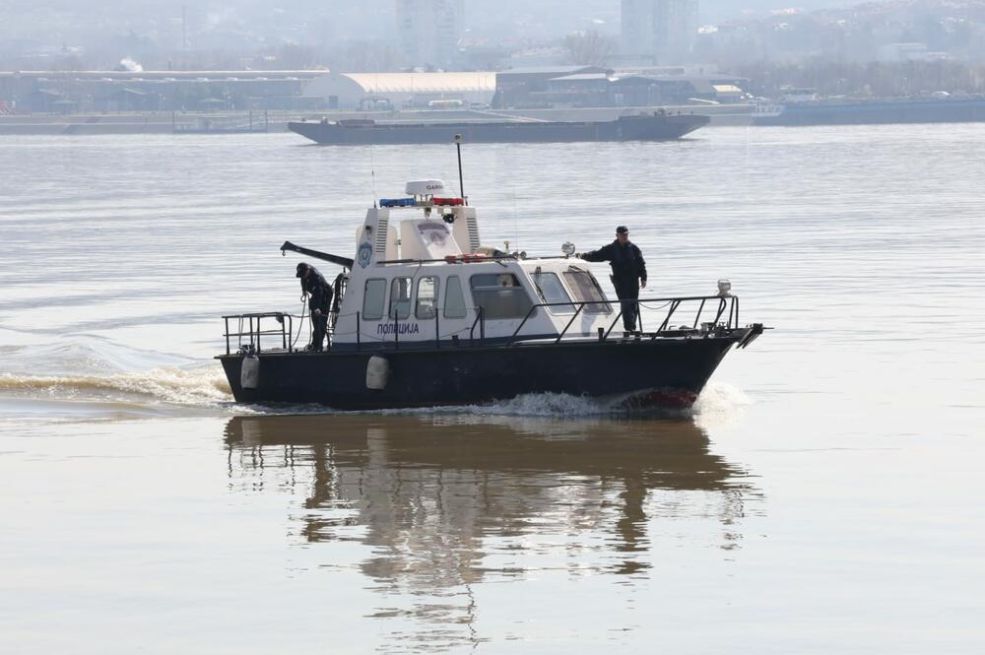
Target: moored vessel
point(657, 126)
point(871, 112)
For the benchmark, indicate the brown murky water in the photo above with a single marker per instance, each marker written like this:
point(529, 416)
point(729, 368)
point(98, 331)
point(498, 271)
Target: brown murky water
point(824, 496)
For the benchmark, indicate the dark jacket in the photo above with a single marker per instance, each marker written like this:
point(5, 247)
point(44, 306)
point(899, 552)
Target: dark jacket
point(320, 291)
point(626, 261)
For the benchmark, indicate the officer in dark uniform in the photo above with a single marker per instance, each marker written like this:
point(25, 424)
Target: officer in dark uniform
point(319, 294)
point(628, 272)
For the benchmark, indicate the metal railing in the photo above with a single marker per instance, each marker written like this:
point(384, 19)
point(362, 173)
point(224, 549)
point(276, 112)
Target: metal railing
point(253, 327)
point(722, 311)
point(480, 320)
point(725, 303)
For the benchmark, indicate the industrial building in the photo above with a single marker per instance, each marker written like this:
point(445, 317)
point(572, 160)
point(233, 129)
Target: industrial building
point(69, 92)
point(318, 90)
point(591, 86)
point(385, 91)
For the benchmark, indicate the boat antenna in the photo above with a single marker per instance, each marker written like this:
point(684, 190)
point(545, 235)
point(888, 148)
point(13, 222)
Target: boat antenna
point(461, 186)
point(516, 219)
point(372, 175)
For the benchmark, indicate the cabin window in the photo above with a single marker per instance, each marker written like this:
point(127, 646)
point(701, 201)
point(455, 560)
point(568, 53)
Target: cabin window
point(427, 297)
point(586, 289)
point(500, 295)
point(551, 290)
point(454, 299)
point(373, 299)
point(400, 298)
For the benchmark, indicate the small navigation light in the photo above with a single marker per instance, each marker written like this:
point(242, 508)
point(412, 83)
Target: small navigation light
point(568, 248)
point(724, 288)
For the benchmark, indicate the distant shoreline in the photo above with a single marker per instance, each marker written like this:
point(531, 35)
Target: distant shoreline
point(240, 122)
point(887, 111)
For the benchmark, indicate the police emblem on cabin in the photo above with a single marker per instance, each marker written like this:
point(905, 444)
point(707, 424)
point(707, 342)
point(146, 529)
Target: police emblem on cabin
point(365, 254)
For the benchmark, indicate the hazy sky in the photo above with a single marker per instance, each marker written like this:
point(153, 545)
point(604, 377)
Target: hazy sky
point(72, 20)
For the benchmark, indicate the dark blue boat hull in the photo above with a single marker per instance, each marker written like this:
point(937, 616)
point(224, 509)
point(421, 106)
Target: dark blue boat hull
point(645, 373)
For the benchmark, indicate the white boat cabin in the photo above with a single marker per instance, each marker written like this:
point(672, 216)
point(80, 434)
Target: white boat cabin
point(420, 275)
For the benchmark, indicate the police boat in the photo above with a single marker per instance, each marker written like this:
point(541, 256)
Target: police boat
point(424, 315)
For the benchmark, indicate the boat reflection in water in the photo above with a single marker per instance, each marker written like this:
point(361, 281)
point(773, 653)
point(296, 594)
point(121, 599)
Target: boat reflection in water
point(445, 501)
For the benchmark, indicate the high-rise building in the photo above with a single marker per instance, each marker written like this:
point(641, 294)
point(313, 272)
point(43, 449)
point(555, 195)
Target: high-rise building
point(659, 30)
point(430, 31)
point(637, 27)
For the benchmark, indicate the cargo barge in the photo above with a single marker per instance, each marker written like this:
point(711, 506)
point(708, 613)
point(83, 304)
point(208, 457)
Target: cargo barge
point(657, 126)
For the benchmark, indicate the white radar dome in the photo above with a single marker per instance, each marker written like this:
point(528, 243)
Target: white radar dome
point(425, 188)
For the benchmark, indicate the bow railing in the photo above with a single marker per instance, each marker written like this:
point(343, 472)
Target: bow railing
point(723, 312)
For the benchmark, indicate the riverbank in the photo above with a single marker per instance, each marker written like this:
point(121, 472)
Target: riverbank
point(245, 122)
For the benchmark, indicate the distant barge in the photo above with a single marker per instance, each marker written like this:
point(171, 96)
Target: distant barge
point(873, 112)
point(649, 127)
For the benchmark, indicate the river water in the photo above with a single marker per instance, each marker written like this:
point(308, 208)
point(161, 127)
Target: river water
point(825, 495)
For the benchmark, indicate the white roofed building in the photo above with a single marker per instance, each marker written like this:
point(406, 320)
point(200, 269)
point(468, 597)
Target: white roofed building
point(353, 90)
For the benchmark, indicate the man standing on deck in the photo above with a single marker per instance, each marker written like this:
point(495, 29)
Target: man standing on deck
point(319, 294)
point(628, 272)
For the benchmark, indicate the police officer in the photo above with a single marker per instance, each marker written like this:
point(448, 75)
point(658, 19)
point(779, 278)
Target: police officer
point(628, 272)
point(319, 293)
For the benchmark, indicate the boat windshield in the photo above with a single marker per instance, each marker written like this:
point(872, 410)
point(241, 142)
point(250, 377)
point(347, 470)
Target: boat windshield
point(500, 295)
point(400, 298)
point(551, 290)
point(585, 288)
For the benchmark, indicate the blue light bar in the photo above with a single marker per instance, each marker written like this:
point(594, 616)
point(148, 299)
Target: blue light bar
point(397, 202)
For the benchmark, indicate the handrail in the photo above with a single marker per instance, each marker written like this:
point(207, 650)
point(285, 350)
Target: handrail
point(482, 326)
point(726, 315)
point(255, 333)
point(458, 259)
point(725, 302)
point(674, 304)
point(573, 317)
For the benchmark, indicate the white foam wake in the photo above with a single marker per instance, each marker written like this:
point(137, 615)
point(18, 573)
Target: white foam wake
point(94, 369)
point(545, 404)
point(198, 387)
point(719, 403)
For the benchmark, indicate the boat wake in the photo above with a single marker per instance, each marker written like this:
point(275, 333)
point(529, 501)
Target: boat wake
point(716, 403)
point(90, 370)
point(719, 404)
point(717, 400)
point(542, 405)
point(205, 386)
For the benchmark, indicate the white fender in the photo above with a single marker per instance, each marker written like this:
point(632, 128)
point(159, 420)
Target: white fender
point(249, 373)
point(377, 372)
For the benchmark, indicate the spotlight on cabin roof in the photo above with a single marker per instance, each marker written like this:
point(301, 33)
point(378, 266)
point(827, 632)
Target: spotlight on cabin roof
point(424, 188)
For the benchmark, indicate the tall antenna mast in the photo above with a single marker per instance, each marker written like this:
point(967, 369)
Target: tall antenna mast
point(461, 186)
point(372, 174)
